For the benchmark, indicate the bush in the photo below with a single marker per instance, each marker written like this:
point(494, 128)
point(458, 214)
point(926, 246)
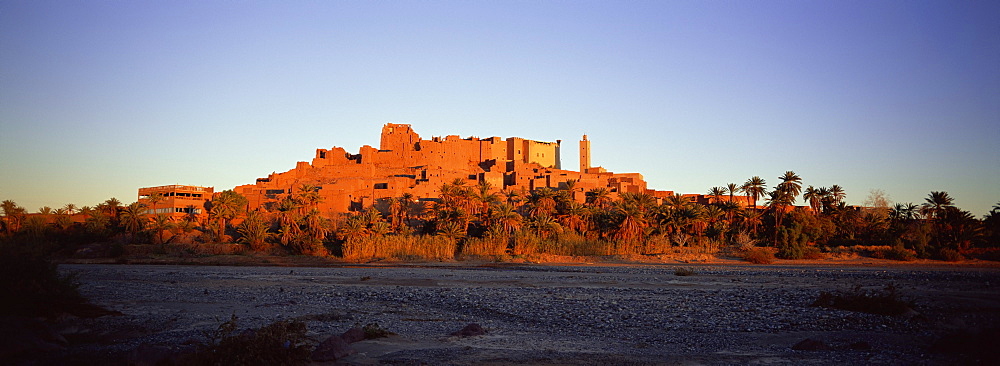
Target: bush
point(684, 272)
point(950, 255)
point(758, 256)
point(31, 286)
point(884, 302)
point(373, 331)
point(280, 343)
point(812, 253)
point(895, 253)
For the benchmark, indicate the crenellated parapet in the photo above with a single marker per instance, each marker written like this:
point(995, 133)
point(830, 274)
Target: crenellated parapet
point(406, 163)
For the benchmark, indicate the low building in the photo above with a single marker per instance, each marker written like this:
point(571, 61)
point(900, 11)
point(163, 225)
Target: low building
point(176, 201)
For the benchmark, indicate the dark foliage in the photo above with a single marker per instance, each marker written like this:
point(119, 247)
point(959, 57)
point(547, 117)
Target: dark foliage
point(684, 272)
point(31, 286)
point(373, 330)
point(881, 302)
point(280, 343)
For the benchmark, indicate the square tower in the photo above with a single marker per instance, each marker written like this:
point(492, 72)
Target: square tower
point(584, 154)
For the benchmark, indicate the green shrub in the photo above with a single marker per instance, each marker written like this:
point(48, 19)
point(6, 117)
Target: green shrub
point(791, 242)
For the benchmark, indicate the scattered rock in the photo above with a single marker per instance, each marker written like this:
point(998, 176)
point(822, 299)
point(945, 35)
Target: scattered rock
point(470, 330)
point(332, 349)
point(810, 344)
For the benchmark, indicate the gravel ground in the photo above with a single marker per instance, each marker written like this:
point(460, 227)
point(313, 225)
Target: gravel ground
point(545, 314)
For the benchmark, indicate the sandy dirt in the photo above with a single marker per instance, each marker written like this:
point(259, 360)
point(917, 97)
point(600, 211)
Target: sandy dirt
point(553, 314)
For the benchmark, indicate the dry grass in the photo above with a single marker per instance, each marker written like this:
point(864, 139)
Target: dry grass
point(758, 256)
point(486, 247)
point(403, 247)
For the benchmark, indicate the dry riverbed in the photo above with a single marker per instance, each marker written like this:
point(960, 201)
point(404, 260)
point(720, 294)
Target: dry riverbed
point(539, 314)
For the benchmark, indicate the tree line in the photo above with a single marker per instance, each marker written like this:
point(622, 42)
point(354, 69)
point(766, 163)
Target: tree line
point(478, 220)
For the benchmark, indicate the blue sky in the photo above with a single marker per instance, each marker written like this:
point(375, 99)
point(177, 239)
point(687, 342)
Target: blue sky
point(99, 98)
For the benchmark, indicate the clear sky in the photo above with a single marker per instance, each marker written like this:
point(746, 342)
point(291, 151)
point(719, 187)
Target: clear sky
point(99, 98)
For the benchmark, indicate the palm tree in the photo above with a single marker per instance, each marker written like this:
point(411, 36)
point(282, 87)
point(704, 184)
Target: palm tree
point(717, 193)
point(545, 225)
point(676, 202)
point(254, 231)
point(752, 220)
point(227, 206)
point(111, 205)
point(153, 200)
point(399, 210)
point(812, 195)
point(731, 188)
point(633, 221)
point(45, 210)
point(504, 217)
point(936, 203)
point(133, 218)
point(159, 224)
point(12, 213)
point(69, 208)
point(543, 201)
point(486, 197)
point(837, 193)
point(791, 185)
point(904, 212)
point(317, 227)
point(599, 197)
point(308, 196)
point(755, 187)
point(575, 217)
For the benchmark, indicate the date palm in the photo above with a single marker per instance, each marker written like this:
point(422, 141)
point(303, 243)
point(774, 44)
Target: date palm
point(158, 224)
point(599, 197)
point(12, 214)
point(227, 205)
point(732, 188)
point(838, 194)
point(308, 196)
point(504, 218)
point(814, 197)
point(544, 225)
point(790, 186)
point(936, 203)
point(153, 200)
point(69, 208)
point(717, 193)
point(254, 231)
point(904, 212)
point(543, 201)
point(133, 218)
point(484, 197)
point(111, 206)
point(755, 187)
point(575, 217)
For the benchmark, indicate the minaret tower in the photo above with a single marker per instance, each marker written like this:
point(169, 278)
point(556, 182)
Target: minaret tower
point(584, 154)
